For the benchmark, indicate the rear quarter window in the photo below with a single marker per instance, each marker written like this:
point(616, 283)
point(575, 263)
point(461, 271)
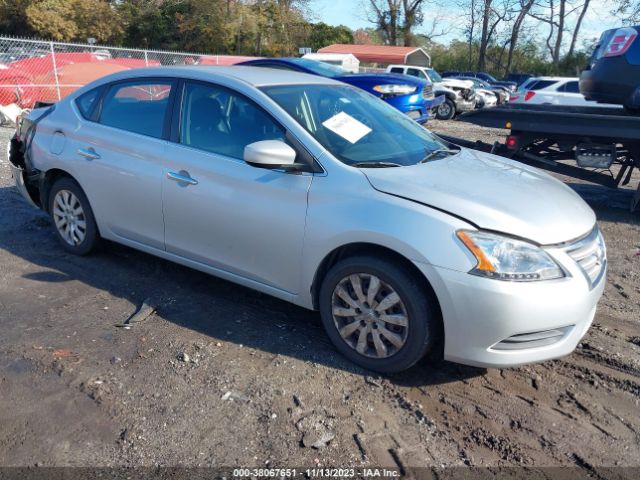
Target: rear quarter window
point(571, 87)
point(87, 102)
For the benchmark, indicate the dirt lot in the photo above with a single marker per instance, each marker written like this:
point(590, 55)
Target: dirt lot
point(224, 376)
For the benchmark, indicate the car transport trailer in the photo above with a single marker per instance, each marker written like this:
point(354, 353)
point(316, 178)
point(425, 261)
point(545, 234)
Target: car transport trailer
point(595, 144)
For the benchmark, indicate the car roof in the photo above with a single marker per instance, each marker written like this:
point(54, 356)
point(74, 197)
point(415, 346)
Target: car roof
point(422, 67)
point(557, 79)
point(256, 76)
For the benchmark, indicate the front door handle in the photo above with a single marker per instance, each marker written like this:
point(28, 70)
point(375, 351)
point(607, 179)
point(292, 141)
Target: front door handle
point(88, 153)
point(182, 177)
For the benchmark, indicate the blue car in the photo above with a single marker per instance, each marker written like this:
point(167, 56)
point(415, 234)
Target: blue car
point(410, 95)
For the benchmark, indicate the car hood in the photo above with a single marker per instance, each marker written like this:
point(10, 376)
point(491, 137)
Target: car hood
point(380, 78)
point(441, 87)
point(492, 193)
point(453, 82)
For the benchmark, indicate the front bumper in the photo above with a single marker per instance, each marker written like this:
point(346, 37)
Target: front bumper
point(415, 105)
point(433, 103)
point(463, 105)
point(486, 321)
point(419, 115)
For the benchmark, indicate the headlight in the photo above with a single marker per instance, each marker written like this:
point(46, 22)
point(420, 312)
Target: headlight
point(504, 258)
point(391, 89)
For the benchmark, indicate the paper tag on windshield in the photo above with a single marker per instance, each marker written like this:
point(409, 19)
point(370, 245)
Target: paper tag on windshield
point(347, 127)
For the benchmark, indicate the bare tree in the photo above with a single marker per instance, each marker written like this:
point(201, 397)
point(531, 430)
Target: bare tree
point(576, 29)
point(470, 28)
point(493, 14)
point(484, 36)
point(398, 20)
point(627, 10)
point(412, 10)
point(385, 15)
point(561, 28)
point(437, 27)
point(525, 7)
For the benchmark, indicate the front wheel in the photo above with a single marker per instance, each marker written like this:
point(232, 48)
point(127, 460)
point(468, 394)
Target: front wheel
point(446, 110)
point(72, 218)
point(377, 314)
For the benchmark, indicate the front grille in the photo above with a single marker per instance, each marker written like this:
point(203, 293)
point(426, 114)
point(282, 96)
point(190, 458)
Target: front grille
point(427, 92)
point(524, 341)
point(590, 253)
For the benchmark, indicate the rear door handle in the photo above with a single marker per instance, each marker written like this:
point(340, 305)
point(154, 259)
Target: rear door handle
point(88, 153)
point(182, 177)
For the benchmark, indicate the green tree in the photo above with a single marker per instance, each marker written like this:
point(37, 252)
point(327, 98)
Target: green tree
point(52, 19)
point(73, 20)
point(207, 25)
point(151, 24)
point(13, 18)
point(97, 19)
point(322, 35)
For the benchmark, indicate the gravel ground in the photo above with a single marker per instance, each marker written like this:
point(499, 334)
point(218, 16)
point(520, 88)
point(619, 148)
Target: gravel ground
point(223, 376)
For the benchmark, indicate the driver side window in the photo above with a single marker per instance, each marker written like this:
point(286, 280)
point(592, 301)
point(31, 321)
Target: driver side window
point(220, 121)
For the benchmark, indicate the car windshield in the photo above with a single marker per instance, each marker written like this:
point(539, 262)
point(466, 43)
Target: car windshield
point(435, 76)
point(320, 68)
point(356, 127)
point(489, 78)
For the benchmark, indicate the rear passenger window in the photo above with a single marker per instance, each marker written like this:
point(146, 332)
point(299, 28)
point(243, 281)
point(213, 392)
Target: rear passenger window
point(397, 70)
point(137, 106)
point(87, 101)
point(220, 121)
point(540, 84)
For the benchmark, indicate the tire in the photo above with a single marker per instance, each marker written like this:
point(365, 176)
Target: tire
point(72, 218)
point(410, 343)
point(446, 110)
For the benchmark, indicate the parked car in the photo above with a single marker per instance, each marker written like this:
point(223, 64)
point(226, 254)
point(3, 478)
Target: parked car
point(412, 96)
point(459, 96)
point(482, 76)
point(320, 194)
point(518, 78)
point(553, 91)
point(613, 74)
point(501, 93)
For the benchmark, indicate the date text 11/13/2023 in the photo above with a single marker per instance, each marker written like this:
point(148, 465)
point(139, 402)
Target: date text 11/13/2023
point(316, 472)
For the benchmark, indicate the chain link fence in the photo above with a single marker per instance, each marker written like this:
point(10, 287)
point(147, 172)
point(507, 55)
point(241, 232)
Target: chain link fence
point(33, 71)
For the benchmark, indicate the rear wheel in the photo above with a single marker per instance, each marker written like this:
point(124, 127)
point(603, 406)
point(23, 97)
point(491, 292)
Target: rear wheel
point(72, 218)
point(446, 110)
point(377, 314)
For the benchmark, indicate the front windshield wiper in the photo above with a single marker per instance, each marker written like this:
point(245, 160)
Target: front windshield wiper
point(375, 164)
point(438, 151)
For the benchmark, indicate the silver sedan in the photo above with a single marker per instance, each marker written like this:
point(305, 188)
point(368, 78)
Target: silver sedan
point(322, 195)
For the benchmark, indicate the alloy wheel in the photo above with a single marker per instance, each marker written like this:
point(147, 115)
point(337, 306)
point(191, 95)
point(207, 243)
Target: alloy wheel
point(444, 109)
point(69, 217)
point(370, 315)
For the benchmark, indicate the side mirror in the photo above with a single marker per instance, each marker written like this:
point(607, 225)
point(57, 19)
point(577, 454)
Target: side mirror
point(272, 154)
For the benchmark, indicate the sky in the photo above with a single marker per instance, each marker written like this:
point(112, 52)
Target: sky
point(349, 13)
